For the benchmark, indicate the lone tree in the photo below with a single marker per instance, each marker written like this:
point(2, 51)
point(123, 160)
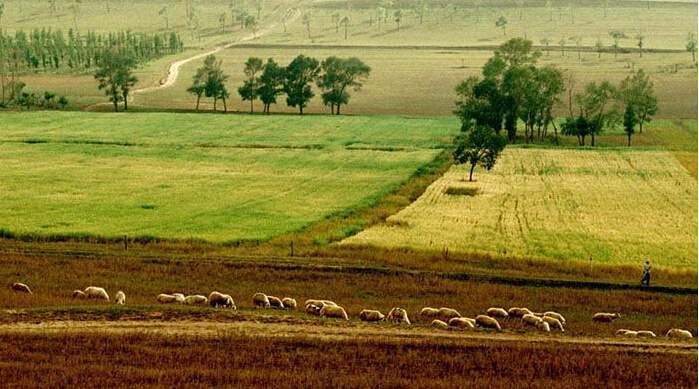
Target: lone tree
point(270, 84)
point(114, 75)
point(297, 84)
point(637, 92)
point(692, 46)
point(248, 91)
point(338, 76)
point(629, 122)
point(480, 146)
point(502, 23)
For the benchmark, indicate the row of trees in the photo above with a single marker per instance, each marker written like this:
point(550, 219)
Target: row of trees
point(52, 50)
point(513, 90)
point(266, 81)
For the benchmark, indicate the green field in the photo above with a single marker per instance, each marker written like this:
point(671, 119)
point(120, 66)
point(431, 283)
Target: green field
point(610, 205)
point(213, 177)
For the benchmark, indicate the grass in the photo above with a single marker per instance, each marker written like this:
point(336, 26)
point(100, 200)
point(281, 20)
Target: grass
point(219, 178)
point(127, 361)
point(602, 206)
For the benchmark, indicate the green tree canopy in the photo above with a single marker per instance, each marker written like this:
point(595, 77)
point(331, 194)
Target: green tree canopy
point(339, 75)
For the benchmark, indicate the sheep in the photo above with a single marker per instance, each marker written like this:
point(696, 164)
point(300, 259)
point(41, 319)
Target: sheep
point(320, 303)
point(164, 298)
point(487, 322)
point(21, 288)
point(555, 315)
point(462, 322)
point(678, 333)
point(275, 302)
point(289, 303)
point(196, 299)
point(120, 298)
point(447, 314)
point(78, 294)
point(371, 315)
point(313, 309)
point(217, 299)
point(628, 333)
point(646, 334)
point(436, 323)
point(95, 292)
point(398, 316)
point(497, 313)
point(518, 312)
point(260, 300)
point(553, 323)
point(429, 313)
point(530, 319)
point(603, 317)
point(543, 326)
point(179, 297)
point(334, 311)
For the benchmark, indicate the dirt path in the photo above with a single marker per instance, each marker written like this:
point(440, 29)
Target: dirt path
point(333, 332)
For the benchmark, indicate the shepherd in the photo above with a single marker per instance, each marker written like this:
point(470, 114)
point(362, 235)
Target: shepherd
point(645, 279)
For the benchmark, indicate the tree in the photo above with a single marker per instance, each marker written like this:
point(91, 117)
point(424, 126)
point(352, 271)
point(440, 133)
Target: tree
point(616, 36)
point(259, 4)
point(692, 46)
point(599, 46)
point(75, 9)
point(597, 106)
point(579, 127)
point(637, 92)
point(629, 122)
point(338, 76)
point(481, 146)
point(270, 84)
point(307, 23)
point(562, 44)
point(299, 74)
point(215, 85)
point(502, 23)
point(114, 76)
point(546, 42)
point(163, 14)
point(578, 45)
point(249, 90)
point(198, 87)
point(398, 17)
point(639, 43)
point(222, 21)
point(345, 22)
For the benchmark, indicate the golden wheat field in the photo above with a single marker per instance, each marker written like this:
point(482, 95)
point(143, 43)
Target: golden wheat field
point(604, 206)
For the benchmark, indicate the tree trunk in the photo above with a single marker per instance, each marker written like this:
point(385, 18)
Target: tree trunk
point(251, 106)
point(126, 101)
point(592, 139)
point(629, 135)
point(116, 105)
point(337, 110)
point(470, 174)
point(300, 109)
point(225, 107)
point(640, 126)
point(215, 101)
point(198, 98)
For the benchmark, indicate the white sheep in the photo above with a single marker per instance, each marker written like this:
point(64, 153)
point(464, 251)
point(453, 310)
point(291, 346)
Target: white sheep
point(95, 292)
point(313, 309)
point(436, 323)
point(497, 313)
point(678, 333)
point(603, 317)
point(179, 297)
point(462, 322)
point(22, 288)
point(164, 298)
point(275, 302)
point(553, 323)
point(120, 298)
point(532, 320)
point(646, 334)
point(487, 322)
point(447, 314)
point(543, 326)
point(627, 333)
point(333, 311)
point(556, 315)
point(260, 300)
point(371, 315)
point(217, 299)
point(78, 294)
point(196, 299)
point(320, 303)
point(398, 315)
point(429, 313)
point(289, 303)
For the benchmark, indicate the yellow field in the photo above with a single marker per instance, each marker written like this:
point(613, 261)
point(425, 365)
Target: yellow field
point(605, 206)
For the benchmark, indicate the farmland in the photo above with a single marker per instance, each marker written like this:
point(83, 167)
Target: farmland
point(202, 177)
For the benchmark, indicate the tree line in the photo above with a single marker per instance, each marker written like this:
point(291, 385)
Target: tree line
point(267, 81)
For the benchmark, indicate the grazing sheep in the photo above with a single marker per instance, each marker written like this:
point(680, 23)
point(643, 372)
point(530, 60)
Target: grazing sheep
point(120, 298)
point(275, 302)
point(95, 292)
point(515, 312)
point(179, 297)
point(646, 334)
point(313, 309)
point(217, 299)
point(289, 303)
point(678, 333)
point(78, 294)
point(497, 313)
point(436, 323)
point(398, 315)
point(22, 288)
point(196, 299)
point(553, 323)
point(429, 313)
point(166, 298)
point(260, 300)
point(462, 322)
point(556, 315)
point(543, 326)
point(371, 315)
point(530, 319)
point(447, 314)
point(603, 317)
point(320, 303)
point(628, 333)
point(487, 322)
point(334, 311)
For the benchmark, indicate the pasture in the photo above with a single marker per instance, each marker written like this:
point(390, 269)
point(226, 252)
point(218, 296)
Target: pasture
point(213, 177)
point(613, 206)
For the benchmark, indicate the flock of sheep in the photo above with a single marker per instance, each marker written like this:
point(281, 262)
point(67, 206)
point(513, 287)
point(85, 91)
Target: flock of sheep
point(441, 318)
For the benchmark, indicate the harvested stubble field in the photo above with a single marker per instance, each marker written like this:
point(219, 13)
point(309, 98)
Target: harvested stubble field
point(201, 176)
point(614, 206)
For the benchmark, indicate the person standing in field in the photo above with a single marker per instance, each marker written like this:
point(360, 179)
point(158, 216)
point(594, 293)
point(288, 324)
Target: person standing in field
point(645, 279)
